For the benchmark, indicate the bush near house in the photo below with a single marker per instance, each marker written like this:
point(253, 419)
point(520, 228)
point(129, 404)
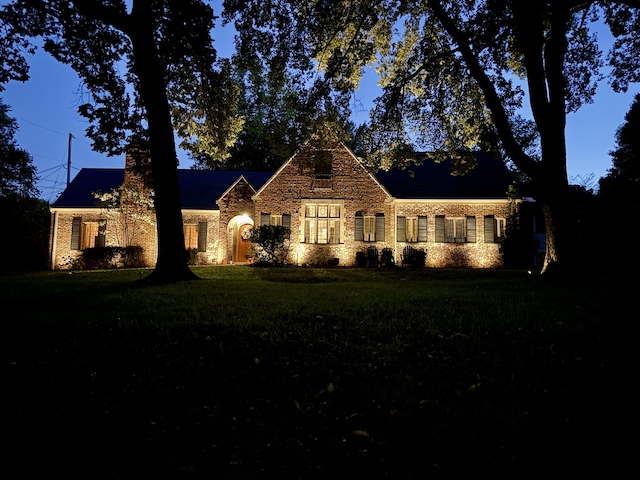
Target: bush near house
point(269, 244)
point(99, 258)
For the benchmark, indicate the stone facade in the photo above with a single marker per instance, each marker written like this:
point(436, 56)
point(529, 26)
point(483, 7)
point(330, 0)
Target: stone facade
point(332, 204)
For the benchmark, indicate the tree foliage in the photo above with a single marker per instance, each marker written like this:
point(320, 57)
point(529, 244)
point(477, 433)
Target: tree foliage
point(24, 215)
point(17, 173)
point(144, 64)
point(127, 210)
point(454, 77)
point(621, 185)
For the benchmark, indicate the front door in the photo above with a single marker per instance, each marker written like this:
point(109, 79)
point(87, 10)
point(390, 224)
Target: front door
point(244, 245)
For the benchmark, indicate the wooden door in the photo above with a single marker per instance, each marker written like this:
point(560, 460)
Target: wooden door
point(244, 245)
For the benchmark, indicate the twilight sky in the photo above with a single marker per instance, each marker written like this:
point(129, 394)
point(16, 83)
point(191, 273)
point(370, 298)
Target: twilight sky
point(46, 110)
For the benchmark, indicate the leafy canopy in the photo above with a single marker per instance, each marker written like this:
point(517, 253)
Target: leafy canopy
point(17, 173)
point(95, 39)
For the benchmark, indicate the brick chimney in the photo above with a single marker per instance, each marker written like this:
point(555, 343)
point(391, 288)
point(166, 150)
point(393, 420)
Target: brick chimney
point(137, 167)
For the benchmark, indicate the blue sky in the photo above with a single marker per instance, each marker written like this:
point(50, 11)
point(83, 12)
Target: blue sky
point(46, 110)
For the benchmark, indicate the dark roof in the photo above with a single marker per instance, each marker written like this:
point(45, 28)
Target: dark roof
point(430, 180)
point(199, 189)
point(79, 193)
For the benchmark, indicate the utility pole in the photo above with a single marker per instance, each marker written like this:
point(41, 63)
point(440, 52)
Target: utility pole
point(69, 160)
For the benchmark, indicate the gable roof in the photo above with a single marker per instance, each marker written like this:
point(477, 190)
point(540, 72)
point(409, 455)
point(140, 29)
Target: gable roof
point(79, 193)
point(430, 180)
point(199, 189)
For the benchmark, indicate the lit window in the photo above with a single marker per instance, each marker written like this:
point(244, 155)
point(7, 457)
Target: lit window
point(369, 229)
point(190, 235)
point(322, 223)
point(455, 229)
point(275, 220)
point(412, 229)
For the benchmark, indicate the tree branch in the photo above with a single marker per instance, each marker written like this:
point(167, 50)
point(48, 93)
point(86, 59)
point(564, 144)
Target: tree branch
point(500, 117)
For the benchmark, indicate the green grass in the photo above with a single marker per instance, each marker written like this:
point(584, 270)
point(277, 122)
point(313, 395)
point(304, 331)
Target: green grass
point(308, 373)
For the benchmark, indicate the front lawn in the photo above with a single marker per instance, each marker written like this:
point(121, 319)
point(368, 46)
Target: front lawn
point(256, 373)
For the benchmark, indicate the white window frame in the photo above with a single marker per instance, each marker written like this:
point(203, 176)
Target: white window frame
point(190, 231)
point(323, 222)
point(275, 220)
point(411, 229)
point(455, 229)
point(369, 228)
point(501, 227)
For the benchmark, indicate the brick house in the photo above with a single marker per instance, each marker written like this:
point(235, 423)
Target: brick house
point(333, 206)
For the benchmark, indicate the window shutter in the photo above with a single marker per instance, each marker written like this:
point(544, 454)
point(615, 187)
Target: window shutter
point(471, 229)
point(75, 233)
point(202, 236)
point(286, 223)
point(489, 231)
point(101, 238)
point(359, 227)
point(422, 228)
point(440, 228)
point(265, 218)
point(401, 229)
point(380, 227)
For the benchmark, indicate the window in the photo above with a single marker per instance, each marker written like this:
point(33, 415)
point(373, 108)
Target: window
point(455, 229)
point(322, 170)
point(412, 229)
point(322, 223)
point(283, 220)
point(501, 227)
point(76, 225)
point(87, 234)
point(275, 220)
point(190, 235)
point(323, 164)
point(494, 229)
point(195, 236)
point(202, 236)
point(369, 228)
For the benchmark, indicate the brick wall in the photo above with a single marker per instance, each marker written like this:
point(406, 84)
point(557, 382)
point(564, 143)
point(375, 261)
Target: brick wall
point(297, 184)
point(350, 185)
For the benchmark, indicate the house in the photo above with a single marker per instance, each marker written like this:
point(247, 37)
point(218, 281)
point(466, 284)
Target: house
point(333, 206)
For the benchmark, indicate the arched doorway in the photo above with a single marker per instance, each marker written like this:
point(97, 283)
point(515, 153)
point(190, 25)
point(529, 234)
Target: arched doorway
point(238, 231)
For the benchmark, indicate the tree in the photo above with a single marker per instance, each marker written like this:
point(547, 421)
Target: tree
point(621, 185)
point(164, 48)
point(273, 123)
point(25, 216)
point(17, 172)
point(127, 209)
point(454, 74)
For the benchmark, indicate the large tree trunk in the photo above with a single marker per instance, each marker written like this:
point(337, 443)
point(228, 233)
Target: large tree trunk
point(172, 264)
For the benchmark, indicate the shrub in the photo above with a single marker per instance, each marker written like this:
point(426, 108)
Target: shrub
point(419, 257)
point(270, 243)
point(131, 256)
point(361, 259)
point(386, 257)
point(99, 258)
point(192, 255)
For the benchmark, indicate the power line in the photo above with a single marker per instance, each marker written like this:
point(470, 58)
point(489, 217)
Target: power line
point(51, 130)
